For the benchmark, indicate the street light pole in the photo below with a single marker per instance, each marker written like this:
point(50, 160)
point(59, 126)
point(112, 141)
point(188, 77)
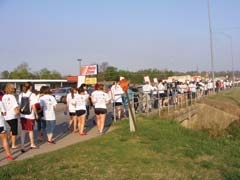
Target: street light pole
point(233, 78)
point(79, 61)
point(211, 45)
point(232, 62)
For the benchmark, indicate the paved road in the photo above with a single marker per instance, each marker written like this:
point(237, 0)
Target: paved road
point(61, 136)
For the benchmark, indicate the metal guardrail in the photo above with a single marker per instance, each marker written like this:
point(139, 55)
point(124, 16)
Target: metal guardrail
point(147, 103)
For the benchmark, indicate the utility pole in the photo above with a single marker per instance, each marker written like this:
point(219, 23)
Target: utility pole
point(211, 45)
point(79, 61)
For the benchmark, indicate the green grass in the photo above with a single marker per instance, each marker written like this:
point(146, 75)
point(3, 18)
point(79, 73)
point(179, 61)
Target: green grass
point(159, 149)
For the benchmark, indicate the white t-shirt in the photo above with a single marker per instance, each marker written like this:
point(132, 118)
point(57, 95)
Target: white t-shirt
point(10, 103)
point(48, 104)
point(154, 90)
point(117, 92)
point(33, 100)
point(71, 103)
point(2, 121)
point(81, 101)
point(99, 99)
point(147, 88)
point(161, 88)
point(192, 87)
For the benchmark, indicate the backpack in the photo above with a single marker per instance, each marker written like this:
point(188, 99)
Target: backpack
point(25, 105)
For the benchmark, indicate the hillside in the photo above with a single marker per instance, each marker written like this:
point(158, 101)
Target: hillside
point(213, 113)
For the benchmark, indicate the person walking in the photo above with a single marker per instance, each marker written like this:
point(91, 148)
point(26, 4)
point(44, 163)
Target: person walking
point(12, 113)
point(81, 100)
point(28, 118)
point(147, 92)
point(136, 97)
point(41, 123)
point(155, 95)
point(85, 87)
point(117, 92)
point(100, 99)
point(71, 108)
point(3, 133)
point(48, 104)
point(162, 94)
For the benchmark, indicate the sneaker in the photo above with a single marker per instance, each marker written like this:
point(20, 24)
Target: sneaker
point(76, 131)
point(51, 142)
point(15, 147)
point(34, 147)
point(83, 134)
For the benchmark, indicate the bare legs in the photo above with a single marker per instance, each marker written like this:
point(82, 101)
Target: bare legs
point(81, 124)
point(118, 112)
point(3, 137)
point(50, 137)
point(31, 137)
point(73, 120)
point(13, 140)
point(100, 122)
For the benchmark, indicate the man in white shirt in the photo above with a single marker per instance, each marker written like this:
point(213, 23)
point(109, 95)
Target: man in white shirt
point(147, 91)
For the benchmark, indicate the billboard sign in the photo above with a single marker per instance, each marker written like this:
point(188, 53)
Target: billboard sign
point(88, 70)
point(91, 80)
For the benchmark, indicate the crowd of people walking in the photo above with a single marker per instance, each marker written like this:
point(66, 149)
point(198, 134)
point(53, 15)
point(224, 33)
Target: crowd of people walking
point(40, 107)
point(31, 106)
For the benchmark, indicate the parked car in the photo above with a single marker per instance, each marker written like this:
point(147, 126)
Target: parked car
point(61, 94)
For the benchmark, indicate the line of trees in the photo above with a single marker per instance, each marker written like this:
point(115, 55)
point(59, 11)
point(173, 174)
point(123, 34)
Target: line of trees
point(108, 73)
point(23, 71)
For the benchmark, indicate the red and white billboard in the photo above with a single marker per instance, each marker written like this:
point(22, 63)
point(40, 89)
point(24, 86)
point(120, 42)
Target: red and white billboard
point(88, 70)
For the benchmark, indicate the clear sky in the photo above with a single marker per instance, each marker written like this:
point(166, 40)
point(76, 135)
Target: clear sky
point(128, 34)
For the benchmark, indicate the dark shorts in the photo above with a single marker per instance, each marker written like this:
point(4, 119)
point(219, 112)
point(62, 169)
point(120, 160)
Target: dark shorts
point(72, 113)
point(2, 131)
point(162, 95)
point(117, 103)
point(80, 112)
point(100, 111)
point(27, 124)
point(13, 123)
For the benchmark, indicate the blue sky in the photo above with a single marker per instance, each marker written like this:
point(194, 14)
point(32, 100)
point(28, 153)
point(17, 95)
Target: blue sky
point(128, 34)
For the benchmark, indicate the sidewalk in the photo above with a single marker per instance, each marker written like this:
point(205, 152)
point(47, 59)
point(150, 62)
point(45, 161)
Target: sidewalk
point(62, 139)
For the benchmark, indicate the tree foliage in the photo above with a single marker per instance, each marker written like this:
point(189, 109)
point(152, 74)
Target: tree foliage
point(103, 67)
point(5, 74)
point(112, 74)
point(23, 71)
point(46, 74)
point(109, 73)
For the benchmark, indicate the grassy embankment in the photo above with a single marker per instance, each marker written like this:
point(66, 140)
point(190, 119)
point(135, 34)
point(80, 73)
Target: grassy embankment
point(160, 149)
